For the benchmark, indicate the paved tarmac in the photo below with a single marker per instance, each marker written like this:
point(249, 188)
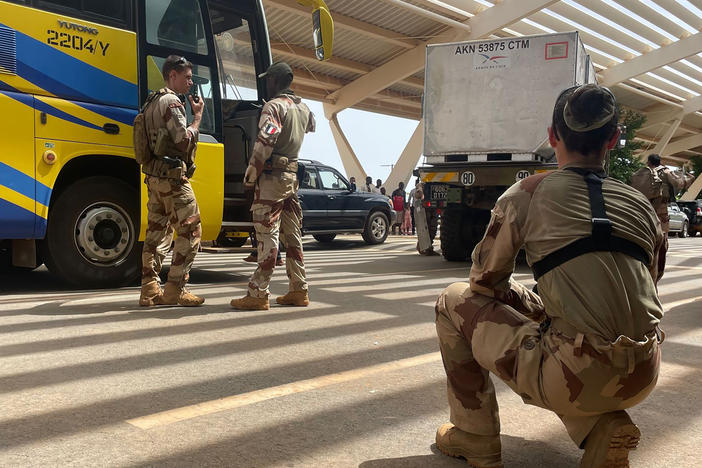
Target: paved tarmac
point(88, 378)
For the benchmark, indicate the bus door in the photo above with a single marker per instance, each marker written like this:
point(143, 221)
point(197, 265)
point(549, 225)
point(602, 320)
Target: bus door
point(182, 27)
point(241, 40)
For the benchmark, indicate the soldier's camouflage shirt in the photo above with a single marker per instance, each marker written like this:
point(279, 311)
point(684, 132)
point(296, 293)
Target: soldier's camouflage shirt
point(606, 294)
point(284, 121)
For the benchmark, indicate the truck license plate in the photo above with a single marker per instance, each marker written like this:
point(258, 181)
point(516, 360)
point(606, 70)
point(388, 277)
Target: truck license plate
point(438, 192)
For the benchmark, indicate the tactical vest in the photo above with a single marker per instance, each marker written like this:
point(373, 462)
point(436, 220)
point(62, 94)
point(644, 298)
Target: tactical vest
point(158, 167)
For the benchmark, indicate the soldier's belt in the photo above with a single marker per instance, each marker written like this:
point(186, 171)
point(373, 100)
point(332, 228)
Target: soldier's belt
point(173, 162)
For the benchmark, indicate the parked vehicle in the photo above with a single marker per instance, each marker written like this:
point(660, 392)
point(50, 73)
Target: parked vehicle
point(330, 207)
point(678, 220)
point(693, 210)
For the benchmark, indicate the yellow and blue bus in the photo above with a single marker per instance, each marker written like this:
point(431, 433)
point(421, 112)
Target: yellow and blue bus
point(72, 76)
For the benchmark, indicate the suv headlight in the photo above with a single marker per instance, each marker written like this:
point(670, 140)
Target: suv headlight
point(388, 202)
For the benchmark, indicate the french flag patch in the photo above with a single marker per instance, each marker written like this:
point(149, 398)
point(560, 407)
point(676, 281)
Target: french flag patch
point(270, 129)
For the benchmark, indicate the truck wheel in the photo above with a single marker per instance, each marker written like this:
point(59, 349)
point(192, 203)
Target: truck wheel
point(683, 232)
point(461, 230)
point(91, 238)
point(324, 238)
point(452, 246)
point(377, 228)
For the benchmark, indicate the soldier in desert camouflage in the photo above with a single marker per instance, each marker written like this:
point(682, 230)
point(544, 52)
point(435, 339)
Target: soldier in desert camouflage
point(587, 346)
point(672, 184)
point(172, 205)
point(273, 172)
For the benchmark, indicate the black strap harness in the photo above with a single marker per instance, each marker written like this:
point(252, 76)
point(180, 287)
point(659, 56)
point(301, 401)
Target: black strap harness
point(601, 239)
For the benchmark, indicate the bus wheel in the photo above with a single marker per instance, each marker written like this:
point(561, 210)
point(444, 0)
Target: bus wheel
point(91, 238)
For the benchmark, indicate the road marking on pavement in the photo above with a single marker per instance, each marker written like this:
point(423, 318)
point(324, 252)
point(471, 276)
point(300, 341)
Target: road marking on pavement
point(672, 305)
point(257, 396)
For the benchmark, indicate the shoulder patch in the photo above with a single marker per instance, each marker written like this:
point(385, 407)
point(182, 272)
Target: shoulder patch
point(270, 129)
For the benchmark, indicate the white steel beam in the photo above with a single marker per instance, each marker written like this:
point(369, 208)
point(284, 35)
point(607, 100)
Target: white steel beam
point(352, 165)
point(429, 14)
point(402, 170)
point(290, 50)
point(655, 59)
point(348, 23)
point(692, 105)
point(694, 189)
point(683, 144)
point(412, 61)
point(663, 142)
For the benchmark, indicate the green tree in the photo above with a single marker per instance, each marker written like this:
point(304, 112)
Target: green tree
point(622, 162)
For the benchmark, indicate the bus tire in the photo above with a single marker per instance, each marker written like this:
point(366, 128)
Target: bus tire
point(92, 234)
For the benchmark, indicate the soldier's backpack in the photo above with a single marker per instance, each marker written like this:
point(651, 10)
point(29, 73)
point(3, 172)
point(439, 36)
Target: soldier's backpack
point(142, 148)
point(648, 182)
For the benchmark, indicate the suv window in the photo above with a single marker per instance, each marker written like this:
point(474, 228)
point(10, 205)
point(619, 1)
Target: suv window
point(332, 180)
point(311, 180)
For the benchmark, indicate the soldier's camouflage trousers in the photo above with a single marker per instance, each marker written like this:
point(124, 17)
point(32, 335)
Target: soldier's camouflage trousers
point(269, 219)
point(661, 207)
point(171, 207)
point(547, 368)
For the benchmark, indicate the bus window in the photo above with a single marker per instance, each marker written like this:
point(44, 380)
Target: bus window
point(202, 79)
point(177, 24)
point(235, 50)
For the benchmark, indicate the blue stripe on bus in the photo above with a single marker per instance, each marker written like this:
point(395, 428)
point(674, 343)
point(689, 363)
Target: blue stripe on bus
point(24, 184)
point(63, 75)
point(15, 94)
point(51, 110)
point(16, 222)
point(17, 181)
point(119, 114)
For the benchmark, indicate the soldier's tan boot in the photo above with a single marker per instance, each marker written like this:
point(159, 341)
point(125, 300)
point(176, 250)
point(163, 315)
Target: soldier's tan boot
point(478, 450)
point(294, 298)
point(609, 442)
point(151, 294)
point(250, 303)
point(174, 295)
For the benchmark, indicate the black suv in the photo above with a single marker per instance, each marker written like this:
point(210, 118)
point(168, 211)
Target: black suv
point(693, 210)
point(330, 207)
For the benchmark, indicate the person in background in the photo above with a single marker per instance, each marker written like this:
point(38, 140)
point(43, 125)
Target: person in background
point(399, 197)
point(352, 180)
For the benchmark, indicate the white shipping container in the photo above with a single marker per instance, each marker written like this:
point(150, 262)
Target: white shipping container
point(497, 96)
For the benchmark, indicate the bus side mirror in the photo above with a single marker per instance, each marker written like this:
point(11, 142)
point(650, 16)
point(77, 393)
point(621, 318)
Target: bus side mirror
point(323, 28)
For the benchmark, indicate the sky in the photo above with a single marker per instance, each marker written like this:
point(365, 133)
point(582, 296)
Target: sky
point(377, 140)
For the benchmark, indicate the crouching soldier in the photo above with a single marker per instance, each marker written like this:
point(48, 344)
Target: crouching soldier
point(587, 346)
point(172, 203)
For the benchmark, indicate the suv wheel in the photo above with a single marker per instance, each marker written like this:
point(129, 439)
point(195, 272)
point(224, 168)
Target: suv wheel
point(684, 230)
point(376, 230)
point(324, 238)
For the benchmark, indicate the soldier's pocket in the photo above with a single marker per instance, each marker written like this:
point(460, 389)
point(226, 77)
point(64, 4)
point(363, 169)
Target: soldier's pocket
point(528, 373)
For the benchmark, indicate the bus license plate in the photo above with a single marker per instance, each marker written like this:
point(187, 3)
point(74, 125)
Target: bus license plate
point(438, 192)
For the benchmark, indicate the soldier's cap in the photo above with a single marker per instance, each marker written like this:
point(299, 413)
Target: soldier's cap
point(589, 107)
point(278, 69)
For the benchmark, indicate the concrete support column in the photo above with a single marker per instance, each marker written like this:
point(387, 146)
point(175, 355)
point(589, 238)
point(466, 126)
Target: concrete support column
point(663, 142)
point(352, 165)
point(402, 171)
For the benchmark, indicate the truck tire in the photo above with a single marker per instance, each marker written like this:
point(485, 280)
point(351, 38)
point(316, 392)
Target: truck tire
point(92, 234)
point(377, 228)
point(452, 246)
point(461, 230)
point(324, 238)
